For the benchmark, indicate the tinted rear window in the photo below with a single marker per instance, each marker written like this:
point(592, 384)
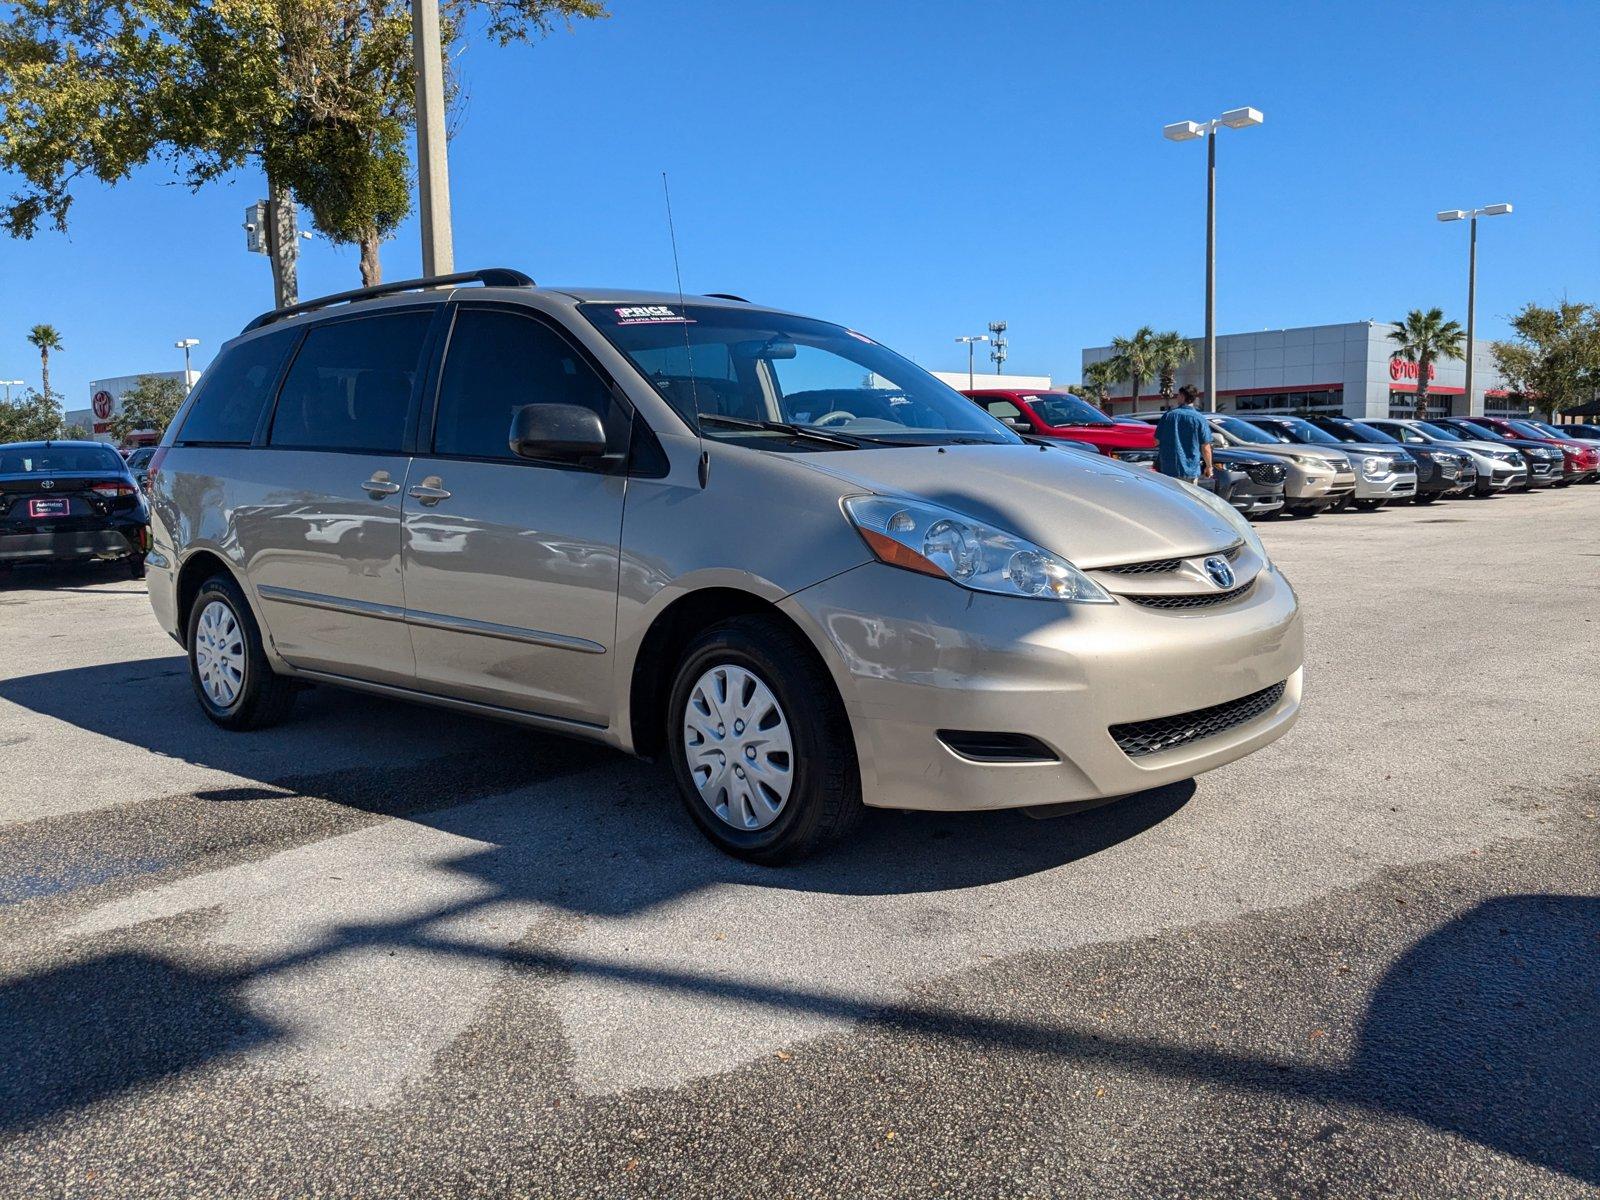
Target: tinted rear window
point(350, 385)
point(230, 397)
point(51, 460)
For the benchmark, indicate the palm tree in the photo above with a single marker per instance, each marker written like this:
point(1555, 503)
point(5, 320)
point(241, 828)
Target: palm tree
point(46, 339)
point(1135, 358)
point(1423, 337)
point(1169, 351)
point(1098, 378)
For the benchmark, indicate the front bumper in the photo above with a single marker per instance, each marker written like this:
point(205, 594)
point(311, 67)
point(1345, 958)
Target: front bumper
point(913, 656)
point(1395, 485)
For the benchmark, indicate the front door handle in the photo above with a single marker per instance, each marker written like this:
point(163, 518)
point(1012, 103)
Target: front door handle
point(380, 485)
point(428, 491)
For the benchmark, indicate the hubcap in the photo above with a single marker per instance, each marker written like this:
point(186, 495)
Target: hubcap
point(736, 739)
point(219, 653)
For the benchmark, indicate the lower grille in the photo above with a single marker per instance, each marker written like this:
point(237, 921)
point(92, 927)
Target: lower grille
point(1139, 738)
point(1192, 600)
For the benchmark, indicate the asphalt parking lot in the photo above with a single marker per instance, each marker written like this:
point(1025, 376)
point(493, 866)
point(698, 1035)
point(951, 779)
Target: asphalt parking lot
point(383, 950)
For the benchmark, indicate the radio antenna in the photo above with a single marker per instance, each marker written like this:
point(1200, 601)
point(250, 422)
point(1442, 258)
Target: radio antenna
point(688, 351)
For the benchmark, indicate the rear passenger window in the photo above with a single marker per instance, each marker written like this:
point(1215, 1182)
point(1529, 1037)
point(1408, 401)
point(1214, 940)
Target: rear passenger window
point(1003, 409)
point(498, 362)
point(231, 395)
point(350, 385)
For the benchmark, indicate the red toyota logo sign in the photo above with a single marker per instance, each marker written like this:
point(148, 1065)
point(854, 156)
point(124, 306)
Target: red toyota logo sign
point(102, 404)
point(1400, 368)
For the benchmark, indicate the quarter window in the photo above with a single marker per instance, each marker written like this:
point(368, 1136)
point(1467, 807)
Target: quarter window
point(233, 392)
point(497, 363)
point(350, 386)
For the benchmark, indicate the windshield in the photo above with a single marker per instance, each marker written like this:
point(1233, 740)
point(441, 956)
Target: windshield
point(1355, 431)
point(1440, 432)
point(1243, 431)
point(1058, 408)
point(1300, 430)
point(1549, 430)
point(1530, 428)
point(1477, 432)
point(724, 368)
point(53, 460)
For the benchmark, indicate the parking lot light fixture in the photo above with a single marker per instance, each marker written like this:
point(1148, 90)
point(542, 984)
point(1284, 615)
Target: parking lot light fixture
point(184, 344)
point(9, 384)
point(1187, 131)
point(1462, 214)
point(972, 341)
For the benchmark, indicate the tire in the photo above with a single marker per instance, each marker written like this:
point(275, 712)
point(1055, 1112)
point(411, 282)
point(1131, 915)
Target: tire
point(135, 567)
point(1369, 505)
point(1425, 498)
point(823, 801)
point(249, 695)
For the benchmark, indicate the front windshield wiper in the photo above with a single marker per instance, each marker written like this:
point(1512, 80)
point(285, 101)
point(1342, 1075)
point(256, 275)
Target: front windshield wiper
point(816, 435)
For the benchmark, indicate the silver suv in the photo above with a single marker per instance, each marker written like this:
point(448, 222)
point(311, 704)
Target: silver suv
point(760, 545)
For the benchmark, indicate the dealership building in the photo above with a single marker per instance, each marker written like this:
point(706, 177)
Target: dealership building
point(105, 400)
point(1347, 370)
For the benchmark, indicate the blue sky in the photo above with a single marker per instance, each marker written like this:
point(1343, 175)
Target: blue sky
point(919, 169)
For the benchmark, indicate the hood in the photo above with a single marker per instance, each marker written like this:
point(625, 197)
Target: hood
point(1361, 449)
point(1089, 509)
point(1488, 448)
point(1330, 454)
point(1235, 454)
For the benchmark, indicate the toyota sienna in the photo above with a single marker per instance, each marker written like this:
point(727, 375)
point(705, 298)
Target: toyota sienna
point(760, 545)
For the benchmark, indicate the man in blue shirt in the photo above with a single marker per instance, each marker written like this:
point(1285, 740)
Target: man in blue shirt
point(1183, 440)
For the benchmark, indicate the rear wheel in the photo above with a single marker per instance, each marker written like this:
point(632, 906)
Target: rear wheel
point(760, 745)
point(232, 679)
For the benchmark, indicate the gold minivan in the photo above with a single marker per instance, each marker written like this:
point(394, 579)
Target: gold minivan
point(760, 545)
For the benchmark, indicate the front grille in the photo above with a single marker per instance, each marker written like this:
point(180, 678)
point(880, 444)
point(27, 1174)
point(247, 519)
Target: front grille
point(1138, 738)
point(1408, 467)
point(1191, 600)
point(1266, 472)
point(1161, 565)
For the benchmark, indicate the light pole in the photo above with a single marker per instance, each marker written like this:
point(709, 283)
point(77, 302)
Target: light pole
point(184, 346)
point(1461, 214)
point(1184, 131)
point(972, 341)
point(433, 168)
point(9, 384)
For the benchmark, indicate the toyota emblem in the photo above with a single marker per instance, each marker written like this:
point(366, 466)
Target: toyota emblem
point(47, 483)
point(1219, 570)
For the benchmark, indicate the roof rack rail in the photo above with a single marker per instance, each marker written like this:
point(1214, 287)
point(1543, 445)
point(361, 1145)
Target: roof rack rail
point(489, 277)
point(727, 296)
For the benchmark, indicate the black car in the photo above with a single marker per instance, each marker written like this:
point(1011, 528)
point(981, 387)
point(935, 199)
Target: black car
point(69, 502)
point(1431, 481)
point(1546, 463)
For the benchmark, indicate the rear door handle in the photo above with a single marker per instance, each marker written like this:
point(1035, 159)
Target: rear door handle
point(428, 491)
point(380, 485)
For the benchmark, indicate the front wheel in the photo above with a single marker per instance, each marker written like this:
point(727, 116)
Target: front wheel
point(232, 679)
point(760, 745)
point(1369, 505)
point(1425, 497)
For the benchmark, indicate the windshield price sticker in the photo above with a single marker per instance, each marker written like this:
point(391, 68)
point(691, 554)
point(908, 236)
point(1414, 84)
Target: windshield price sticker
point(650, 314)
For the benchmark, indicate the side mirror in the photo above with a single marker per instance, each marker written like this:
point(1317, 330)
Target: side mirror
point(557, 433)
point(1019, 423)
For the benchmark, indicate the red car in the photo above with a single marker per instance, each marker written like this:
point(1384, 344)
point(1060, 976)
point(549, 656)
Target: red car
point(1063, 415)
point(1580, 460)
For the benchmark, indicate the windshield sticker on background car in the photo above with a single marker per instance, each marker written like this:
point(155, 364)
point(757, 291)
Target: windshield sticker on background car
point(650, 314)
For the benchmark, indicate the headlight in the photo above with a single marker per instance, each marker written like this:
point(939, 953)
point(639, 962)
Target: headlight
point(1375, 466)
point(1308, 460)
point(941, 542)
point(1246, 531)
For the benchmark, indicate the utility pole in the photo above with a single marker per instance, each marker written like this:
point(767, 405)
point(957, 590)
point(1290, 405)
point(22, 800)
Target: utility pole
point(184, 344)
point(433, 168)
point(997, 346)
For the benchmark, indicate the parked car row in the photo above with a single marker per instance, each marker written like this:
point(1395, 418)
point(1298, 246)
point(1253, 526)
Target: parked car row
point(1267, 463)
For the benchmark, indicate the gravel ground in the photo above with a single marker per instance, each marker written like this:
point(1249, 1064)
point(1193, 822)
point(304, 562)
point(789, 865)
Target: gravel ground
point(384, 950)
